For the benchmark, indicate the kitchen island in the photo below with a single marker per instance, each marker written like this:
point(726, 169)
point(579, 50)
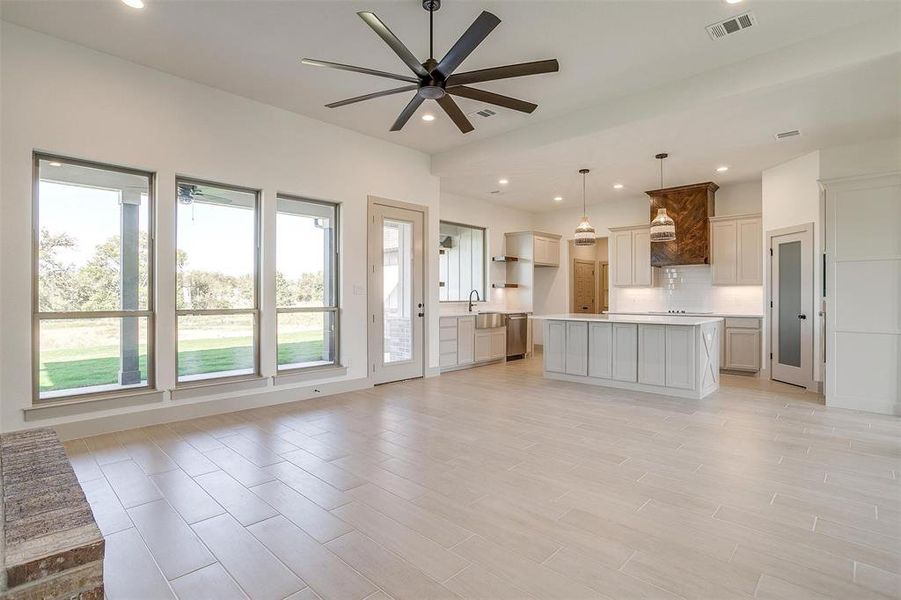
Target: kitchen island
point(675, 356)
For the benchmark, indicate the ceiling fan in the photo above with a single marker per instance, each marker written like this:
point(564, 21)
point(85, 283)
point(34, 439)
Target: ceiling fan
point(188, 193)
point(436, 80)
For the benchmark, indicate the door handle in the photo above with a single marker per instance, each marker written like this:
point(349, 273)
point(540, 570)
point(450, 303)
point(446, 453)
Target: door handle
point(802, 316)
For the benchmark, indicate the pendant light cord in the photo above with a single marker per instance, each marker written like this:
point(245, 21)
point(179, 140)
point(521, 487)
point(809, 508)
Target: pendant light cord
point(661, 173)
point(584, 210)
point(431, 32)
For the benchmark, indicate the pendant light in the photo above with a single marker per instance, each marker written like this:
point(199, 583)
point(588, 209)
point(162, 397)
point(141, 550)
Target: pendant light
point(584, 232)
point(663, 228)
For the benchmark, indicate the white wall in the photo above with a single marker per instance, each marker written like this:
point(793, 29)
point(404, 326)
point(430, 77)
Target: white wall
point(498, 220)
point(67, 99)
point(867, 158)
point(791, 196)
point(738, 198)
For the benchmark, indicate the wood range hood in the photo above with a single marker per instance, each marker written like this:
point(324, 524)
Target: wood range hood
point(689, 206)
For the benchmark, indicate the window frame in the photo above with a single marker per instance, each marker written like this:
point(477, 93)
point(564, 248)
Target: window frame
point(334, 310)
point(255, 311)
point(486, 261)
point(37, 315)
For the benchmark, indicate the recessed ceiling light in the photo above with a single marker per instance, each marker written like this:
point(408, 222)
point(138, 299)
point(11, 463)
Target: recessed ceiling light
point(134, 3)
point(617, 186)
point(503, 181)
point(55, 164)
point(428, 117)
point(722, 169)
point(558, 198)
point(732, 1)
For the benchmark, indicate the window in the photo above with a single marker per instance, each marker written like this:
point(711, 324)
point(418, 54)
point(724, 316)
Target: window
point(216, 281)
point(93, 293)
point(306, 283)
point(461, 266)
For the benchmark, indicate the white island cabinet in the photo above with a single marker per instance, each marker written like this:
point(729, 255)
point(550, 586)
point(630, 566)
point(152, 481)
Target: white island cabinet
point(676, 356)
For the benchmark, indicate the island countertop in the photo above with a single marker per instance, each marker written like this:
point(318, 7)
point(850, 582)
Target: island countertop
point(640, 319)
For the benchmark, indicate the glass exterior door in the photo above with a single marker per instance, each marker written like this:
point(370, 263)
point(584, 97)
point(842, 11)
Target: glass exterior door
point(396, 293)
point(792, 288)
point(397, 300)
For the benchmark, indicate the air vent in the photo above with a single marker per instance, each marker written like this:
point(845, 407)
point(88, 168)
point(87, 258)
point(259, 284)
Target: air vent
point(788, 134)
point(730, 26)
point(484, 113)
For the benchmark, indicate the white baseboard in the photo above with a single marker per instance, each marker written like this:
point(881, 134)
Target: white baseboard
point(170, 411)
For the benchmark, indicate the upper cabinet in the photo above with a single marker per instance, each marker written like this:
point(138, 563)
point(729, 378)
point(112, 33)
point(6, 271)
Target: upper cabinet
point(547, 250)
point(542, 248)
point(631, 255)
point(736, 250)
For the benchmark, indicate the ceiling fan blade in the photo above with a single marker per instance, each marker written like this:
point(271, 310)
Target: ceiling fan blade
point(364, 70)
point(492, 98)
point(406, 88)
point(505, 72)
point(456, 115)
point(472, 37)
point(407, 112)
point(402, 51)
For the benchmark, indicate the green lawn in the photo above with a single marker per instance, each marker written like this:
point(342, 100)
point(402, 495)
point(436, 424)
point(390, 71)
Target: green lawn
point(66, 369)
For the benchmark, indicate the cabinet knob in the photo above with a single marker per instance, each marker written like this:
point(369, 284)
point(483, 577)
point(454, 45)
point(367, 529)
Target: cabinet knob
point(802, 316)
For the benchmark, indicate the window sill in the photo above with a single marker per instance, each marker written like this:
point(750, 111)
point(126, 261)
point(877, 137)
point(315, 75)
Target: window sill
point(311, 374)
point(66, 408)
point(209, 387)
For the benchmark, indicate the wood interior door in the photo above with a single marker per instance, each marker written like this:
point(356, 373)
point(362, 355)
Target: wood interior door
point(584, 286)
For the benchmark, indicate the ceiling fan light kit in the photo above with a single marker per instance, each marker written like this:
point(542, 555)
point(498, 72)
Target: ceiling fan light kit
point(437, 80)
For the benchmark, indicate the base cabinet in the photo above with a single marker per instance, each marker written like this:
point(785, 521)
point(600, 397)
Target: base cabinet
point(661, 358)
point(600, 350)
point(742, 349)
point(651, 354)
point(490, 344)
point(555, 346)
point(461, 345)
point(498, 343)
point(741, 344)
point(625, 352)
point(576, 360)
point(466, 329)
point(680, 355)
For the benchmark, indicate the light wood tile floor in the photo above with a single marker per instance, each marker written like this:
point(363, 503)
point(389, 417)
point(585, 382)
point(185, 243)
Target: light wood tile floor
point(496, 483)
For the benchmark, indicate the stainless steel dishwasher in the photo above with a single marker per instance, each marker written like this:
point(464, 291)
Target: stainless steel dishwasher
point(517, 333)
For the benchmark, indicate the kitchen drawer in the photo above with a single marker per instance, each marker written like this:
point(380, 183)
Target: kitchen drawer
point(447, 360)
point(447, 322)
point(448, 333)
point(447, 346)
point(742, 323)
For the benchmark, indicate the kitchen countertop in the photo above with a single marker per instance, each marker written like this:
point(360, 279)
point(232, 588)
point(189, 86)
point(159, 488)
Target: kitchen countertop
point(641, 319)
point(687, 314)
point(464, 313)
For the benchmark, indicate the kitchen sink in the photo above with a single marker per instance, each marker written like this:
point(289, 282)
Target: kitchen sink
point(490, 320)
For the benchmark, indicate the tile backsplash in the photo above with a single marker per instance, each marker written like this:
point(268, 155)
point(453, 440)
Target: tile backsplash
point(688, 288)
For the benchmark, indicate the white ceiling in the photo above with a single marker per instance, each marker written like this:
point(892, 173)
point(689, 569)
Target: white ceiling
point(606, 49)
point(637, 77)
point(841, 107)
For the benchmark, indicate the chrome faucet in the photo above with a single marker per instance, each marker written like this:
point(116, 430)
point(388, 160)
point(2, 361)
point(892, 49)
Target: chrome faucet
point(476, 292)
